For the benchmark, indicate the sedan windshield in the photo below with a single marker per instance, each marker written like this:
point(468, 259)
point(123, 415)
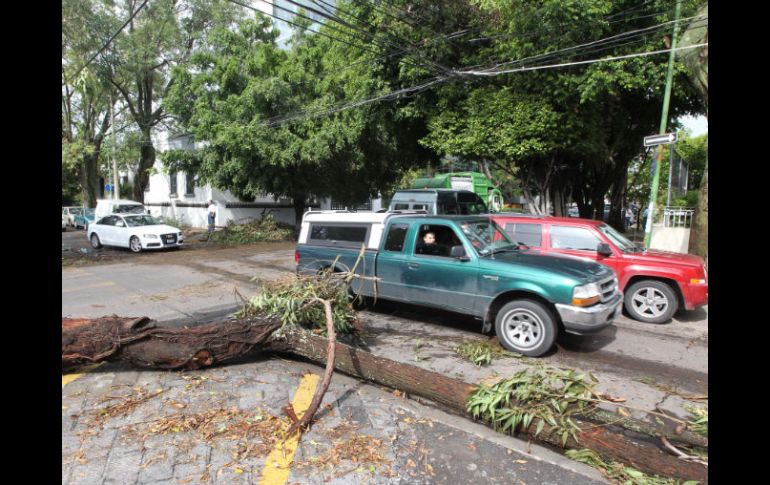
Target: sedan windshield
point(141, 220)
point(487, 237)
point(618, 239)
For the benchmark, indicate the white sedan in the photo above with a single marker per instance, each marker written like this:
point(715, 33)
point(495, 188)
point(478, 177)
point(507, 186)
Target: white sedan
point(133, 231)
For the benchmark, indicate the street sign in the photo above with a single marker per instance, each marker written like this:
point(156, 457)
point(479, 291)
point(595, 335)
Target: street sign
point(108, 187)
point(663, 139)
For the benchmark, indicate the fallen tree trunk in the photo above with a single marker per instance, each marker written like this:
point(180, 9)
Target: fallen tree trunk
point(139, 342)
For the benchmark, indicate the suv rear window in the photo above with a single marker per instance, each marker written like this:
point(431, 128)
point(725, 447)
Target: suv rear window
point(339, 235)
point(526, 234)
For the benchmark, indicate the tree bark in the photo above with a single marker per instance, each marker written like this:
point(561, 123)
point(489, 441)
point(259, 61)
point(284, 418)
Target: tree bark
point(146, 162)
point(139, 342)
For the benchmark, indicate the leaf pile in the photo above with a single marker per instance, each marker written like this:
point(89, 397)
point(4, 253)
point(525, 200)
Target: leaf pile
point(618, 473)
point(255, 432)
point(542, 395)
point(266, 229)
point(125, 406)
point(294, 301)
point(361, 450)
point(481, 352)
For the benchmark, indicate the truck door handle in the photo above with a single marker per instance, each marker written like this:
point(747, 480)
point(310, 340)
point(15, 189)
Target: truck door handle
point(413, 265)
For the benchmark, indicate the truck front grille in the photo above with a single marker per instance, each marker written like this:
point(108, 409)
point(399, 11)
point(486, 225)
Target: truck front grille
point(608, 288)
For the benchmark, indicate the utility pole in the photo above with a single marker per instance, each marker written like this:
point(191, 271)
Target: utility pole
point(663, 122)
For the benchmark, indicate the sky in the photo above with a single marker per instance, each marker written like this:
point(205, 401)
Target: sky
point(698, 125)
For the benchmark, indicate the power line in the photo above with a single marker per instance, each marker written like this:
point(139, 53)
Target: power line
point(615, 58)
point(109, 41)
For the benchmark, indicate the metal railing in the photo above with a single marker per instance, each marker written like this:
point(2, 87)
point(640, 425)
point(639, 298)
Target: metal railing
point(674, 216)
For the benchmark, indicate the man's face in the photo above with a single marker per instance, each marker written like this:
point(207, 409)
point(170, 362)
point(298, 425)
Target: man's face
point(429, 238)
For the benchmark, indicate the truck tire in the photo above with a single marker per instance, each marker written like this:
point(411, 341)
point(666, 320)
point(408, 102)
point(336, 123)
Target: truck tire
point(527, 327)
point(651, 301)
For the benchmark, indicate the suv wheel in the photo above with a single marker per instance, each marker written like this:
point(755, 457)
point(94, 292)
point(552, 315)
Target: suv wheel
point(526, 327)
point(651, 301)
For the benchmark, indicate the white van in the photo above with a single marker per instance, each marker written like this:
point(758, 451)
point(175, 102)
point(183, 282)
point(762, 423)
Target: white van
point(105, 207)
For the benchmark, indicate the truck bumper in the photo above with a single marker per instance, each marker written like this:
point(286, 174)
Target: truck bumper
point(581, 320)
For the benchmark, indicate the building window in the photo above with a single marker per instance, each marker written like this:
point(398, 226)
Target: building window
point(189, 184)
point(172, 183)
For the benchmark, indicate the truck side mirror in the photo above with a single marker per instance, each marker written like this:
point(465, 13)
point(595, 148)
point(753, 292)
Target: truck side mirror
point(458, 252)
point(604, 249)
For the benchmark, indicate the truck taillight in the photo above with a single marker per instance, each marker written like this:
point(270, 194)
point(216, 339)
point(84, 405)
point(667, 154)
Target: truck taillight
point(296, 257)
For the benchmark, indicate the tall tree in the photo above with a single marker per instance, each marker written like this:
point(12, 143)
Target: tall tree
point(697, 61)
point(86, 96)
point(138, 62)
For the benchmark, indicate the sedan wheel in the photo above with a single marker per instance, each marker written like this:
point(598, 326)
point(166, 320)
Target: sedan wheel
point(135, 245)
point(95, 243)
point(651, 301)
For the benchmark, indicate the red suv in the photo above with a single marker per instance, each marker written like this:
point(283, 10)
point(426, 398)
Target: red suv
point(655, 283)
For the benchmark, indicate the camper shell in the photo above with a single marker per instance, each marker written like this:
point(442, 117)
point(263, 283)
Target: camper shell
point(438, 201)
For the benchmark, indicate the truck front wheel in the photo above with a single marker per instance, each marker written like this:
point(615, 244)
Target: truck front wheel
point(526, 327)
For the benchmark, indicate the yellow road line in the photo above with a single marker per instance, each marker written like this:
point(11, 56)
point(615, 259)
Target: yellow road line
point(66, 379)
point(85, 287)
point(276, 470)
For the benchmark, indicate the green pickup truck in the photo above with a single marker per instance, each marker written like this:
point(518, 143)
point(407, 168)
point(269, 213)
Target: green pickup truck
point(465, 264)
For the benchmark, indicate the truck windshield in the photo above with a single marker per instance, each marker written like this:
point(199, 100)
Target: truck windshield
point(487, 237)
point(617, 238)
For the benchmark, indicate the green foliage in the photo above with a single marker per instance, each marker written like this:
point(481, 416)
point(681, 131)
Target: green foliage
point(701, 422)
point(619, 473)
point(295, 302)
point(481, 352)
point(265, 229)
point(542, 395)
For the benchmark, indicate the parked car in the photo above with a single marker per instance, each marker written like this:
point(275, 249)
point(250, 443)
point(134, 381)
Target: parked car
point(84, 219)
point(64, 221)
point(472, 267)
point(70, 213)
point(655, 283)
point(133, 231)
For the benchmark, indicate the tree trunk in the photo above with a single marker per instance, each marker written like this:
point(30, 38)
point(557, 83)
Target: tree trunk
point(146, 162)
point(140, 342)
point(299, 209)
point(699, 234)
point(89, 178)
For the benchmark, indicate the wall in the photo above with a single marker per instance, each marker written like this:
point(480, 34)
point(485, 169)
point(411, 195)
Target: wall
point(674, 239)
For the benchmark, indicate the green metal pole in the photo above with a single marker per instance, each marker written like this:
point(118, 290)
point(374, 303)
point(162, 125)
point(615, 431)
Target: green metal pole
point(663, 122)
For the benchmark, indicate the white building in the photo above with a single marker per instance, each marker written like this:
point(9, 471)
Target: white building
point(178, 196)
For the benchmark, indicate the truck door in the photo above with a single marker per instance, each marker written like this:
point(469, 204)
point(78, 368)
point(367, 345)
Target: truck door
point(434, 277)
point(392, 262)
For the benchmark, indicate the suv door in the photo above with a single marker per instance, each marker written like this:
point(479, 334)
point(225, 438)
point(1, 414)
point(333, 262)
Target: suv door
point(440, 280)
point(578, 241)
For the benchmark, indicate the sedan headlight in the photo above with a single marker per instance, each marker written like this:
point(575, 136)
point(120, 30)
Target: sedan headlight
point(586, 295)
point(149, 236)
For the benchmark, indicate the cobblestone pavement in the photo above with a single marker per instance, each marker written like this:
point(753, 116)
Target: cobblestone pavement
point(395, 440)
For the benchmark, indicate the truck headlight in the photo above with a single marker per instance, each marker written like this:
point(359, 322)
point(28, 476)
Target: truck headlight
point(586, 295)
point(149, 236)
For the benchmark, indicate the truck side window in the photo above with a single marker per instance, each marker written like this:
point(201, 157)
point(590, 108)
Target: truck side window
point(401, 207)
point(339, 235)
point(442, 241)
point(396, 237)
point(526, 234)
point(563, 237)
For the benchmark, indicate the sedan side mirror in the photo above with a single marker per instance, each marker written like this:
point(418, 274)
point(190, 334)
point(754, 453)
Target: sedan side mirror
point(604, 249)
point(458, 252)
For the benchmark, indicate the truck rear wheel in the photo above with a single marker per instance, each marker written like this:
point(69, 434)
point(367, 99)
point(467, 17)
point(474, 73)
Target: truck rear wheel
point(526, 327)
